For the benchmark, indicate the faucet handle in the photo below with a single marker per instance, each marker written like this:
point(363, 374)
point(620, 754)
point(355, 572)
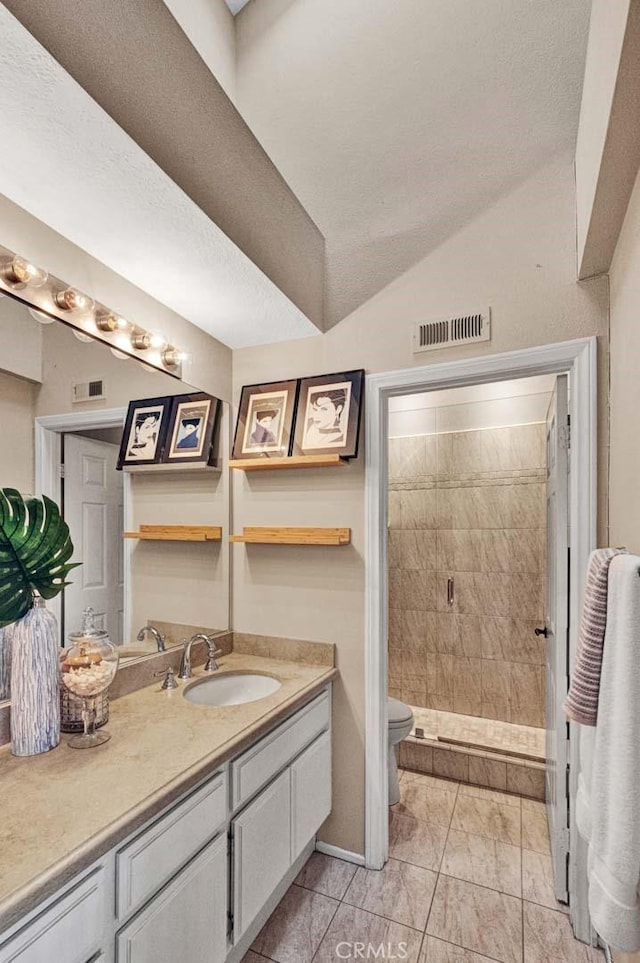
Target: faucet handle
point(169, 680)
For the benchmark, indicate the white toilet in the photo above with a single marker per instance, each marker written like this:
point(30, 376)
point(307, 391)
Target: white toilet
point(400, 725)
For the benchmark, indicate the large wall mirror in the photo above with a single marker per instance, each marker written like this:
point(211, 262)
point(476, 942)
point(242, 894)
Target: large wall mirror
point(53, 443)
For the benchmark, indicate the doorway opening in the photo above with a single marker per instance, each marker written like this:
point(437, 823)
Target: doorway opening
point(576, 360)
point(477, 503)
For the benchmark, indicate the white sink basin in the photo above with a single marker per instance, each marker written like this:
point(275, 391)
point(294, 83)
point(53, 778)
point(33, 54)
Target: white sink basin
point(231, 689)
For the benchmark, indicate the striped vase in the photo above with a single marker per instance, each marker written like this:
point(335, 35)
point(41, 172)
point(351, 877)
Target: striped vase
point(35, 696)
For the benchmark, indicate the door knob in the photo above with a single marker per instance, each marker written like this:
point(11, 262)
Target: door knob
point(544, 631)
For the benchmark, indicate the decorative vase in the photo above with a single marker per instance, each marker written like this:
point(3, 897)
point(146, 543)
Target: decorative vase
point(35, 698)
point(5, 665)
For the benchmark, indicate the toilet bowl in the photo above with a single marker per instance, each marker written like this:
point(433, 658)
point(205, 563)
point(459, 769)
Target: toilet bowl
point(400, 725)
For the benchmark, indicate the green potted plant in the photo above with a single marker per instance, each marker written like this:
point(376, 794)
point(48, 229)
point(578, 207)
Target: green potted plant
point(35, 548)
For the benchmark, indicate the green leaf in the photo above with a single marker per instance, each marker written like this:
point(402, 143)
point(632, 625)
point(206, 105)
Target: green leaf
point(35, 548)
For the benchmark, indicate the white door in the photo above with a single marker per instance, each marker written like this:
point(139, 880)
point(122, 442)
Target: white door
point(556, 629)
point(94, 512)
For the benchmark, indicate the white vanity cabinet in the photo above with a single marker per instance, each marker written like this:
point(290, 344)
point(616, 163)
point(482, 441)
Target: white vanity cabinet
point(196, 882)
point(187, 920)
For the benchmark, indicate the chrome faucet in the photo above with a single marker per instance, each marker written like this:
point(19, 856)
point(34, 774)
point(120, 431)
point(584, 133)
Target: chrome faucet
point(151, 630)
point(212, 654)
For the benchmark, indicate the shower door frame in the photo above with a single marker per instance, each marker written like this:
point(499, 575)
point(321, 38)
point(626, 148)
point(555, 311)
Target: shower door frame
point(578, 359)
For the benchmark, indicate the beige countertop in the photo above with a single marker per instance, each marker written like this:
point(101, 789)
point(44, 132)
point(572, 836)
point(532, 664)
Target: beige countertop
point(62, 810)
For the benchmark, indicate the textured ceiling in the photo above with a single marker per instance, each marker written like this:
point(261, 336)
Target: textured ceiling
point(68, 163)
point(397, 122)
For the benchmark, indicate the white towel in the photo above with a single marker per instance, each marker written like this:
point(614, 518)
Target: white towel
point(608, 804)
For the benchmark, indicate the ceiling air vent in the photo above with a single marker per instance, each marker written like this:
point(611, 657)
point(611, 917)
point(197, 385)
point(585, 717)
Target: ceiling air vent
point(88, 391)
point(443, 332)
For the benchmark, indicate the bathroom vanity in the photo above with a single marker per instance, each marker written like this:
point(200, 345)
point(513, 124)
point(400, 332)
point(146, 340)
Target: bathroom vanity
point(192, 879)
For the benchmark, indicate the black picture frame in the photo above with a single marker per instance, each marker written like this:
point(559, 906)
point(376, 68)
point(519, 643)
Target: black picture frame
point(191, 435)
point(269, 436)
point(329, 410)
point(143, 440)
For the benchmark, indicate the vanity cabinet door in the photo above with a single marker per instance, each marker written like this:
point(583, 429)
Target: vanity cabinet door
point(70, 930)
point(310, 793)
point(261, 850)
point(187, 920)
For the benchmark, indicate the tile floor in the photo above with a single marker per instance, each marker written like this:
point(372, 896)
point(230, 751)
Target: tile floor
point(468, 881)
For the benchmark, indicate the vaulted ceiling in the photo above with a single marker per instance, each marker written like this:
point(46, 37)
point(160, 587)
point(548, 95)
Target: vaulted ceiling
point(391, 124)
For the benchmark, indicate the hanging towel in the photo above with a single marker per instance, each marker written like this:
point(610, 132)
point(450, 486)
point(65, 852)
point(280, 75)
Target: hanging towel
point(608, 804)
point(581, 704)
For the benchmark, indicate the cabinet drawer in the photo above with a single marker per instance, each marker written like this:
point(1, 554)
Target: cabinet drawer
point(310, 793)
point(153, 857)
point(187, 920)
point(255, 767)
point(70, 930)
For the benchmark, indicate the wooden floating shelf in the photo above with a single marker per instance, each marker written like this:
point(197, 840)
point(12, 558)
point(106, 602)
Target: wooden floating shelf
point(301, 461)
point(293, 536)
point(178, 533)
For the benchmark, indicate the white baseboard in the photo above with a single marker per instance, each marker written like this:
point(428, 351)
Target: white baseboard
point(330, 850)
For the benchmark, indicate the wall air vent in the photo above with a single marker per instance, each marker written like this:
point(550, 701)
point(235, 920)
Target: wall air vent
point(88, 391)
point(445, 332)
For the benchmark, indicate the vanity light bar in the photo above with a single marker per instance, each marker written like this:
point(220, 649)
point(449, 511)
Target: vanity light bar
point(90, 320)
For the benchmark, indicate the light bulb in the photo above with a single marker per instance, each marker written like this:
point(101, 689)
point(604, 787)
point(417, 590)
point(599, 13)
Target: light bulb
point(140, 340)
point(157, 341)
point(81, 336)
point(172, 357)
point(120, 355)
point(72, 300)
point(40, 316)
point(108, 323)
point(21, 271)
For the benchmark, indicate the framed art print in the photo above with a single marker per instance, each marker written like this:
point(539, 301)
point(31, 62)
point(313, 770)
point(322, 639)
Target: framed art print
point(265, 420)
point(328, 414)
point(190, 439)
point(144, 433)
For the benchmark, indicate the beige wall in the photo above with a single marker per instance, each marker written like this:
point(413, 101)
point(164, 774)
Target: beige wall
point(17, 410)
point(210, 27)
point(625, 381)
point(518, 257)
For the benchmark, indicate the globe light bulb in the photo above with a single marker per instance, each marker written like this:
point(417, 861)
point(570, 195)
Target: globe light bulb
point(140, 340)
point(72, 300)
point(21, 271)
point(107, 323)
point(171, 357)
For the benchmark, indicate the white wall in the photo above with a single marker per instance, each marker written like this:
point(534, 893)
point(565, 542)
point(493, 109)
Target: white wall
point(500, 405)
point(518, 257)
point(625, 382)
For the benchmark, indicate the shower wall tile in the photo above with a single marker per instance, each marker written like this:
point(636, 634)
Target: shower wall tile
point(412, 458)
point(527, 694)
point(467, 688)
point(412, 549)
point(497, 449)
point(512, 640)
point(470, 505)
point(418, 508)
point(526, 596)
point(459, 635)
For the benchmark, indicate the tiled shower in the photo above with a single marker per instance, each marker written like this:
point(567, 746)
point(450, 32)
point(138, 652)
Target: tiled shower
point(467, 536)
